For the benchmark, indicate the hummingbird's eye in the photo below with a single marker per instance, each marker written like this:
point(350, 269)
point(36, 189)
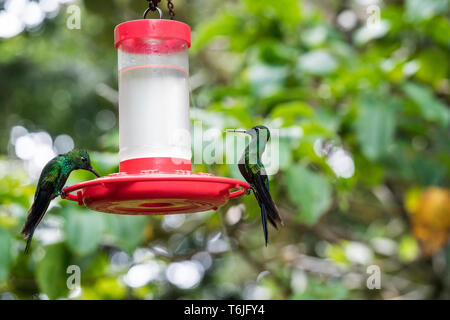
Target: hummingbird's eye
point(83, 159)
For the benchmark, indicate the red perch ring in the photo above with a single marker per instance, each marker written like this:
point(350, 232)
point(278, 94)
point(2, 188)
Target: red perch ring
point(156, 193)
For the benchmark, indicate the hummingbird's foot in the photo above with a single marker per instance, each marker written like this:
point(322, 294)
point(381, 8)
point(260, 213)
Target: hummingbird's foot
point(62, 194)
point(249, 190)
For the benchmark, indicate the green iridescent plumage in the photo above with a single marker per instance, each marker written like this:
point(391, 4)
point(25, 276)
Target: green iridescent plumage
point(51, 182)
point(253, 171)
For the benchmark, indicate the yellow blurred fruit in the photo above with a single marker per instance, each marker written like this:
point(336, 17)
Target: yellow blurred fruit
point(430, 217)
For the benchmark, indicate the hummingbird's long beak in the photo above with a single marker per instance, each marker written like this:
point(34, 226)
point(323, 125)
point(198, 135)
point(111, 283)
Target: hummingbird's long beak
point(94, 172)
point(235, 130)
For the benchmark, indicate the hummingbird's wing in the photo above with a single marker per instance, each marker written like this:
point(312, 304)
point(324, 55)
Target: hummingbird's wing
point(244, 169)
point(45, 193)
point(36, 213)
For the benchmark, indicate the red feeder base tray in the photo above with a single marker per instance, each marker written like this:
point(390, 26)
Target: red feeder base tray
point(156, 193)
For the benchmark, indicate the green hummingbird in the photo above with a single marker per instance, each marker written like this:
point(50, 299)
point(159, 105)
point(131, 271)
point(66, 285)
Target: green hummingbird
point(51, 182)
point(253, 171)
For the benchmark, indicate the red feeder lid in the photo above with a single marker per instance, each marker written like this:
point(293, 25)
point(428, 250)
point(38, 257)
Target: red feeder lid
point(156, 186)
point(155, 193)
point(134, 35)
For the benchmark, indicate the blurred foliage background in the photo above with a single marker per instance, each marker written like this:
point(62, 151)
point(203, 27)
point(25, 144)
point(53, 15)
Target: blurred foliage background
point(360, 91)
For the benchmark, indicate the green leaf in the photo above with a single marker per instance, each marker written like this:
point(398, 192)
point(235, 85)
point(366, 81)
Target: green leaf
point(291, 112)
point(95, 266)
point(437, 28)
point(127, 230)
point(369, 173)
point(311, 191)
point(375, 126)
point(221, 25)
point(5, 254)
point(83, 231)
point(285, 153)
point(286, 11)
point(51, 272)
point(265, 80)
point(430, 107)
point(431, 72)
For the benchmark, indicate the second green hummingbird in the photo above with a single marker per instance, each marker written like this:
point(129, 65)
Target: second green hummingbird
point(51, 182)
point(253, 171)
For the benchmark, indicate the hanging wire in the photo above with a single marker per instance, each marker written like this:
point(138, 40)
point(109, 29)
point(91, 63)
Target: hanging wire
point(153, 6)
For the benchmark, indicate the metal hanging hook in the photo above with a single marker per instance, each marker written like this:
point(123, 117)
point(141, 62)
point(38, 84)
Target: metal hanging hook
point(150, 9)
point(153, 6)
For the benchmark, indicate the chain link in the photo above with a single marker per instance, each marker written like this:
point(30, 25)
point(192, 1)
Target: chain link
point(171, 9)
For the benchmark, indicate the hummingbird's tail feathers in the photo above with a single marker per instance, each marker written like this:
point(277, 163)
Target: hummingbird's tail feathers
point(264, 215)
point(266, 199)
point(35, 214)
point(264, 223)
point(29, 238)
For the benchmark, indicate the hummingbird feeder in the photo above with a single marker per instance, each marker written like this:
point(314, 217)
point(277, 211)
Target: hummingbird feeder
point(155, 174)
